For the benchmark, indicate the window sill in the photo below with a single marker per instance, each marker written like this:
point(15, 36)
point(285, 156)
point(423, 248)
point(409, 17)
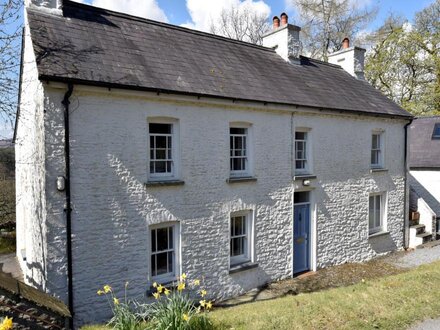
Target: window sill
point(242, 267)
point(164, 183)
point(241, 179)
point(304, 177)
point(374, 170)
point(381, 233)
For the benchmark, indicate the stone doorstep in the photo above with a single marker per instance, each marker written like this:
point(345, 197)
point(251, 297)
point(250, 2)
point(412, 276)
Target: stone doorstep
point(428, 245)
point(423, 235)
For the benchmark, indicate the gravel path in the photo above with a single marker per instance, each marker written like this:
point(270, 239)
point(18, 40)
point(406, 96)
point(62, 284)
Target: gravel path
point(431, 324)
point(416, 257)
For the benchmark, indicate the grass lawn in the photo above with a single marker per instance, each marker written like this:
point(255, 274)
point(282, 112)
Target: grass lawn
point(392, 302)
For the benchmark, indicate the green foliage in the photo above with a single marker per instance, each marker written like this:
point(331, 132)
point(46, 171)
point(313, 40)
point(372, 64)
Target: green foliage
point(7, 202)
point(405, 61)
point(7, 163)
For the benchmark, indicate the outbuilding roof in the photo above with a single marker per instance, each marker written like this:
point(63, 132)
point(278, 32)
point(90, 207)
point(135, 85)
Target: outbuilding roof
point(89, 45)
point(424, 142)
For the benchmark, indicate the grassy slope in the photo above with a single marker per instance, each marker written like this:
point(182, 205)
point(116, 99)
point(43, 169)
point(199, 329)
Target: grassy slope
point(392, 302)
point(7, 244)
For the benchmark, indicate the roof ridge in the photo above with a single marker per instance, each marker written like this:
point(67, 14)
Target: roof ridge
point(167, 25)
point(427, 117)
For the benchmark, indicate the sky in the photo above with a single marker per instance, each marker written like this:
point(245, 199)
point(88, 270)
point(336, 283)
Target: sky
point(198, 14)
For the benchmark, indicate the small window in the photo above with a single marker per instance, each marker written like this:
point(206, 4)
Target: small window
point(377, 150)
point(376, 213)
point(163, 252)
point(301, 152)
point(240, 241)
point(162, 150)
point(239, 151)
point(436, 133)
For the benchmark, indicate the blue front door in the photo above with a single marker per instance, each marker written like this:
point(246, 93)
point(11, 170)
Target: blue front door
point(301, 238)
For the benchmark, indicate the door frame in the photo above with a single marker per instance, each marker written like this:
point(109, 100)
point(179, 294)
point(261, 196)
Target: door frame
point(313, 230)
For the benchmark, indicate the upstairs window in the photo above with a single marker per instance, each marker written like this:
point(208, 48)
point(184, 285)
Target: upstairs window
point(436, 133)
point(377, 150)
point(239, 151)
point(302, 152)
point(162, 150)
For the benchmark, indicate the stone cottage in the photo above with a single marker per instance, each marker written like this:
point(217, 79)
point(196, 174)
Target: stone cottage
point(145, 150)
point(424, 178)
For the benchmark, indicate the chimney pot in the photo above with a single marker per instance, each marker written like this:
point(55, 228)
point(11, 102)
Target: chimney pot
point(284, 19)
point(276, 22)
point(346, 43)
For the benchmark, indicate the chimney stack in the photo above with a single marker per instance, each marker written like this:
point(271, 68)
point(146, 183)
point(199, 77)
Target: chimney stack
point(284, 19)
point(351, 59)
point(276, 22)
point(284, 39)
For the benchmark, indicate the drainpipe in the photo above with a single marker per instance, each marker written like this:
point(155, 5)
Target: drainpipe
point(68, 207)
point(406, 196)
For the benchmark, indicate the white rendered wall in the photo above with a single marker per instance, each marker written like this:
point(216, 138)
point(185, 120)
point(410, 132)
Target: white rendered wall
point(112, 208)
point(427, 186)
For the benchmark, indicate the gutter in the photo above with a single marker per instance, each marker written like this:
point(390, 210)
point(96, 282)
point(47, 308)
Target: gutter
point(406, 190)
point(68, 206)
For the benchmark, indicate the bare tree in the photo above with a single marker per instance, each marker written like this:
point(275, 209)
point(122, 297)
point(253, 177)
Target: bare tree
point(325, 23)
point(241, 23)
point(10, 37)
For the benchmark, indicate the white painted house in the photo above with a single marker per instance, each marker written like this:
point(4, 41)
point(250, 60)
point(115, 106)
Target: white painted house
point(145, 150)
point(424, 178)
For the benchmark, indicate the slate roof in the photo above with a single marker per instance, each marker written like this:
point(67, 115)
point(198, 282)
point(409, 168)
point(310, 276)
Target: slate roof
point(424, 151)
point(96, 46)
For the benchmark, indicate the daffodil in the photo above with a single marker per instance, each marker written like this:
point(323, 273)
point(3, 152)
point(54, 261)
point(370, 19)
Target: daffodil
point(160, 288)
point(154, 285)
point(181, 287)
point(126, 284)
point(167, 292)
point(202, 303)
point(107, 288)
point(100, 292)
point(6, 324)
point(196, 282)
point(115, 301)
point(209, 305)
point(203, 293)
point(183, 277)
point(185, 317)
point(156, 295)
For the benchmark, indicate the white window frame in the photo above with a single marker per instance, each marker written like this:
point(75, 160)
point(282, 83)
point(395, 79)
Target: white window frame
point(249, 150)
point(380, 150)
point(247, 256)
point(382, 213)
point(308, 152)
point(171, 276)
point(175, 149)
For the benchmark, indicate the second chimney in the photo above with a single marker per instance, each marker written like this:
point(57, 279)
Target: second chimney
point(284, 39)
point(351, 59)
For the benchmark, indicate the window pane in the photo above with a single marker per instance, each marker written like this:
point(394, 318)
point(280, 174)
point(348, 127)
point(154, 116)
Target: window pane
point(300, 135)
point(170, 262)
point(153, 240)
point(436, 133)
point(161, 142)
point(374, 157)
point(162, 263)
point(160, 154)
point(160, 167)
point(377, 211)
point(153, 265)
point(236, 130)
point(160, 128)
point(374, 143)
point(238, 142)
point(238, 226)
point(237, 246)
point(162, 239)
point(301, 197)
point(170, 238)
point(371, 213)
point(300, 164)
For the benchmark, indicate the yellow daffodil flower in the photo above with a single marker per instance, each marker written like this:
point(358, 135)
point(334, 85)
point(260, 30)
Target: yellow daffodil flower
point(154, 285)
point(115, 301)
point(181, 287)
point(203, 293)
point(160, 288)
point(209, 305)
point(196, 282)
point(202, 303)
point(126, 284)
point(167, 292)
point(183, 277)
point(185, 317)
point(107, 288)
point(156, 295)
point(6, 324)
point(100, 292)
